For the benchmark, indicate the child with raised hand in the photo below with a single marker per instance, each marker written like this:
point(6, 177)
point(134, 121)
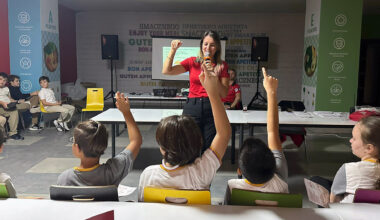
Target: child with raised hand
point(365, 174)
point(180, 142)
point(90, 141)
point(264, 167)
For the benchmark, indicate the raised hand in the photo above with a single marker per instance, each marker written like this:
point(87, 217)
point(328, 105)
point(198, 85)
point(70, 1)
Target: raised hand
point(176, 44)
point(270, 83)
point(122, 103)
point(208, 79)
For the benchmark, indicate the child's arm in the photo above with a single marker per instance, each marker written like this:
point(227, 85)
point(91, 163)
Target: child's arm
point(270, 84)
point(135, 139)
point(223, 129)
point(45, 103)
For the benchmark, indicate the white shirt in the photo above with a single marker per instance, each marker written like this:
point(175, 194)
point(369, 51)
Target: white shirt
point(275, 185)
point(354, 175)
point(195, 176)
point(4, 95)
point(47, 94)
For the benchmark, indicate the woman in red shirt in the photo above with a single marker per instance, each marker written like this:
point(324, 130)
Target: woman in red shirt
point(232, 100)
point(198, 105)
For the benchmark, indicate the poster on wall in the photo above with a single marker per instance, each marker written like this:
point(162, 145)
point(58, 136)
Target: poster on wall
point(25, 43)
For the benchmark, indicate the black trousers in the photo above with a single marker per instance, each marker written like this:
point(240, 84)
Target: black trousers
point(200, 110)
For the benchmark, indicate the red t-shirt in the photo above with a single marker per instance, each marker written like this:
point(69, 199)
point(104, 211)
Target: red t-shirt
point(232, 91)
point(196, 89)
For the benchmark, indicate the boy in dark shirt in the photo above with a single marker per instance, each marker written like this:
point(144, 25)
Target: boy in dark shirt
point(28, 101)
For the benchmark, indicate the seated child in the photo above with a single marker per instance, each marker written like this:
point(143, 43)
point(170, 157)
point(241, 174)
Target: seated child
point(50, 103)
point(28, 101)
point(365, 174)
point(180, 142)
point(264, 167)
point(90, 141)
point(5, 111)
point(4, 178)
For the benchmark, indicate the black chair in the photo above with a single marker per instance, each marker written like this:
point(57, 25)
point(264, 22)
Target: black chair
point(84, 193)
point(290, 106)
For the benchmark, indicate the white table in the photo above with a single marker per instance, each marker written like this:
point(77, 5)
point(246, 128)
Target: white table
point(253, 118)
point(48, 209)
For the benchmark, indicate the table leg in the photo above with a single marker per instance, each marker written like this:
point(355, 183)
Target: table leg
point(113, 138)
point(251, 130)
point(241, 138)
point(233, 144)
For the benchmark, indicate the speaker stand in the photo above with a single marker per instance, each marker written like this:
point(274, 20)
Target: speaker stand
point(111, 94)
point(257, 96)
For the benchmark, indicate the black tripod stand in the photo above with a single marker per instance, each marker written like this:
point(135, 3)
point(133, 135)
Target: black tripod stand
point(258, 95)
point(111, 94)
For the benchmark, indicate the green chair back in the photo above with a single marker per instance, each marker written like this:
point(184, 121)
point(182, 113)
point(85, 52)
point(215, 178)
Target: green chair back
point(3, 191)
point(253, 198)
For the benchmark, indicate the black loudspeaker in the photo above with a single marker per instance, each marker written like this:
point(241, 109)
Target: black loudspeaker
point(259, 48)
point(110, 47)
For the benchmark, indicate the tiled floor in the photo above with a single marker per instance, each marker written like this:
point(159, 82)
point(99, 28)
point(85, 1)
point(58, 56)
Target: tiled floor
point(35, 163)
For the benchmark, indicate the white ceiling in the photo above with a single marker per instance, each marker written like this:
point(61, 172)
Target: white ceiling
point(202, 6)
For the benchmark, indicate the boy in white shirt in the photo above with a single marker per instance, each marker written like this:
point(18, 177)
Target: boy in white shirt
point(180, 143)
point(264, 167)
point(5, 111)
point(50, 103)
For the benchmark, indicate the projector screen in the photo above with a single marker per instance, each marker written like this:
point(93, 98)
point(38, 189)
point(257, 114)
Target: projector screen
point(161, 47)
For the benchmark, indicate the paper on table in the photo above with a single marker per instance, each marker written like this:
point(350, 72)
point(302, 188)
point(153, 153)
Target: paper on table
point(329, 114)
point(304, 114)
point(166, 113)
point(125, 190)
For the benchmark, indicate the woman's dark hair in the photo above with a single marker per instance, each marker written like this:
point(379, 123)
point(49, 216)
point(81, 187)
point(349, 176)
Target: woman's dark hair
point(91, 137)
point(233, 70)
point(215, 36)
point(181, 139)
point(12, 78)
point(256, 161)
point(44, 78)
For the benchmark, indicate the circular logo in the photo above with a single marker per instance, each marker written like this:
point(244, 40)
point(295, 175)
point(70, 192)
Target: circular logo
point(310, 60)
point(24, 40)
point(25, 63)
point(23, 17)
point(336, 89)
point(339, 43)
point(26, 85)
point(341, 20)
point(337, 66)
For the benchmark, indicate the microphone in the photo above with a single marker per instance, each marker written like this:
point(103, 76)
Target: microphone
point(207, 56)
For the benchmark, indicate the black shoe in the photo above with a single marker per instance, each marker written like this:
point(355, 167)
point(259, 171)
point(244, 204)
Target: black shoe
point(16, 137)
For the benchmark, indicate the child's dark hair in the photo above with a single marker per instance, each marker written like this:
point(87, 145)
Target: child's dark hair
point(44, 78)
point(256, 161)
point(181, 139)
point(91, 137)
point(12, 78)
point(4, 75)
point(369, 132)
point(3, 137)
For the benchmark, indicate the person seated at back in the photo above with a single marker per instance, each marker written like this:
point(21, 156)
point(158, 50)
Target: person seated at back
point(50, 104)
point(232, 100)
point(28, 101)
point(5, 178)
point(6, 109)
point(90, 142)
point(180, 141)
point(365, 174)
point(264, 167)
